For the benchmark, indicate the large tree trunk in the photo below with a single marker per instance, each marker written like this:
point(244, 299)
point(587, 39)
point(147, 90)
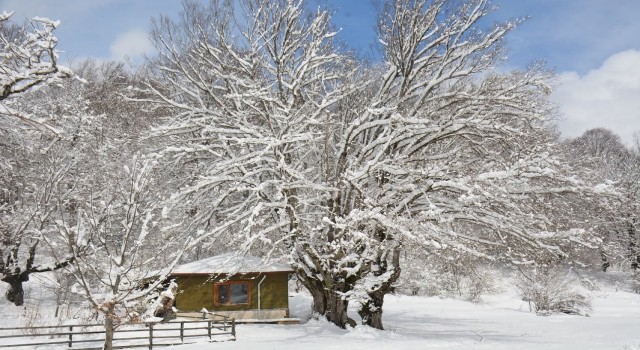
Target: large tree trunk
point(15, 293)
point(336, 310)
point(371, 310)
point(327, 301)
point(15, 276)
point(319, 305)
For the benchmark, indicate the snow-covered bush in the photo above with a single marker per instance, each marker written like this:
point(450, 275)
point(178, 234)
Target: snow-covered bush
point(461, 278)
point(551, 290)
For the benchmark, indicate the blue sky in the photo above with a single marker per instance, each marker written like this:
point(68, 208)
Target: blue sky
point(593, 45)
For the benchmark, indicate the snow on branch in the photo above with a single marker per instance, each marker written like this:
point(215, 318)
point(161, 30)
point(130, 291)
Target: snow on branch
point(28, 60)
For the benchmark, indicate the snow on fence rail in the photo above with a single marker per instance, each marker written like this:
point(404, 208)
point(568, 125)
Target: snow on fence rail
point(134, 335)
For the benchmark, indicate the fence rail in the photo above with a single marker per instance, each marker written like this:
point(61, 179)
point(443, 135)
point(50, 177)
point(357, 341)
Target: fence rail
point(134, 335)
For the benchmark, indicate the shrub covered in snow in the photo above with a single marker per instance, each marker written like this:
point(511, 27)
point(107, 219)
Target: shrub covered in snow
point(551, 290)
point(460, 278)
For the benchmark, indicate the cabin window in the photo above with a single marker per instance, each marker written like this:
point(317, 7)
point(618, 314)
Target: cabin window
point(231, 293)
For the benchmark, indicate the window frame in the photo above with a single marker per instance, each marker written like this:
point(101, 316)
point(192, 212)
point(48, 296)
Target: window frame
point(216, 293)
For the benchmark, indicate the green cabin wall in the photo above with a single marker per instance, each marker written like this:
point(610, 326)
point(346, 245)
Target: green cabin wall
point(196, 292)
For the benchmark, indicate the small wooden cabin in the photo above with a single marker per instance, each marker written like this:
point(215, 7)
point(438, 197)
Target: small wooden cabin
point(241, 287)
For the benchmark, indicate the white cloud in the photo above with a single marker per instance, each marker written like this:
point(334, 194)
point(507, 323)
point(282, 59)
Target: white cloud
point(608, 97)
point(132, 44)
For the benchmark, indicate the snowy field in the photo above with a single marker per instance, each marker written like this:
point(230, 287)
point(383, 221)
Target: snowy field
point(499, 322)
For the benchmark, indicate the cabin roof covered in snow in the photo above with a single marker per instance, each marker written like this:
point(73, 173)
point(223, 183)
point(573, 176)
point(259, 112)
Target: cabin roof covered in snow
point(230, 263)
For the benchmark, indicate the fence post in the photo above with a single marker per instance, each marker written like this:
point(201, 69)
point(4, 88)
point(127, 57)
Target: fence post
point(209, 329)
point(224, 325)
point(150, 335)
point(70, 336)
point(233, 328)
point(182, 332)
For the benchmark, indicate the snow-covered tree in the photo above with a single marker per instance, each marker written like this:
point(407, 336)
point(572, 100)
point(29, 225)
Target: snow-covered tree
point(28, 201)
point(338, 162)
point(37, 170)
point(32, 172)
point(99, 130)
point(121, 253)
point(601, 156)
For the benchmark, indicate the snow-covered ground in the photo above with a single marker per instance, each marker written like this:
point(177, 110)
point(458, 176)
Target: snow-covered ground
point(432, 323)
point(499, 322)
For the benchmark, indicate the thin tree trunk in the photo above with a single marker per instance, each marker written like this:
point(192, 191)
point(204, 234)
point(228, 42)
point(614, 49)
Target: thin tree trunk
point(634, 253)
point(605, 261)
point(108, 329)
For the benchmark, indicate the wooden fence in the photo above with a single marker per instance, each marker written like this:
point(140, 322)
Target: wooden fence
point(135, 335)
